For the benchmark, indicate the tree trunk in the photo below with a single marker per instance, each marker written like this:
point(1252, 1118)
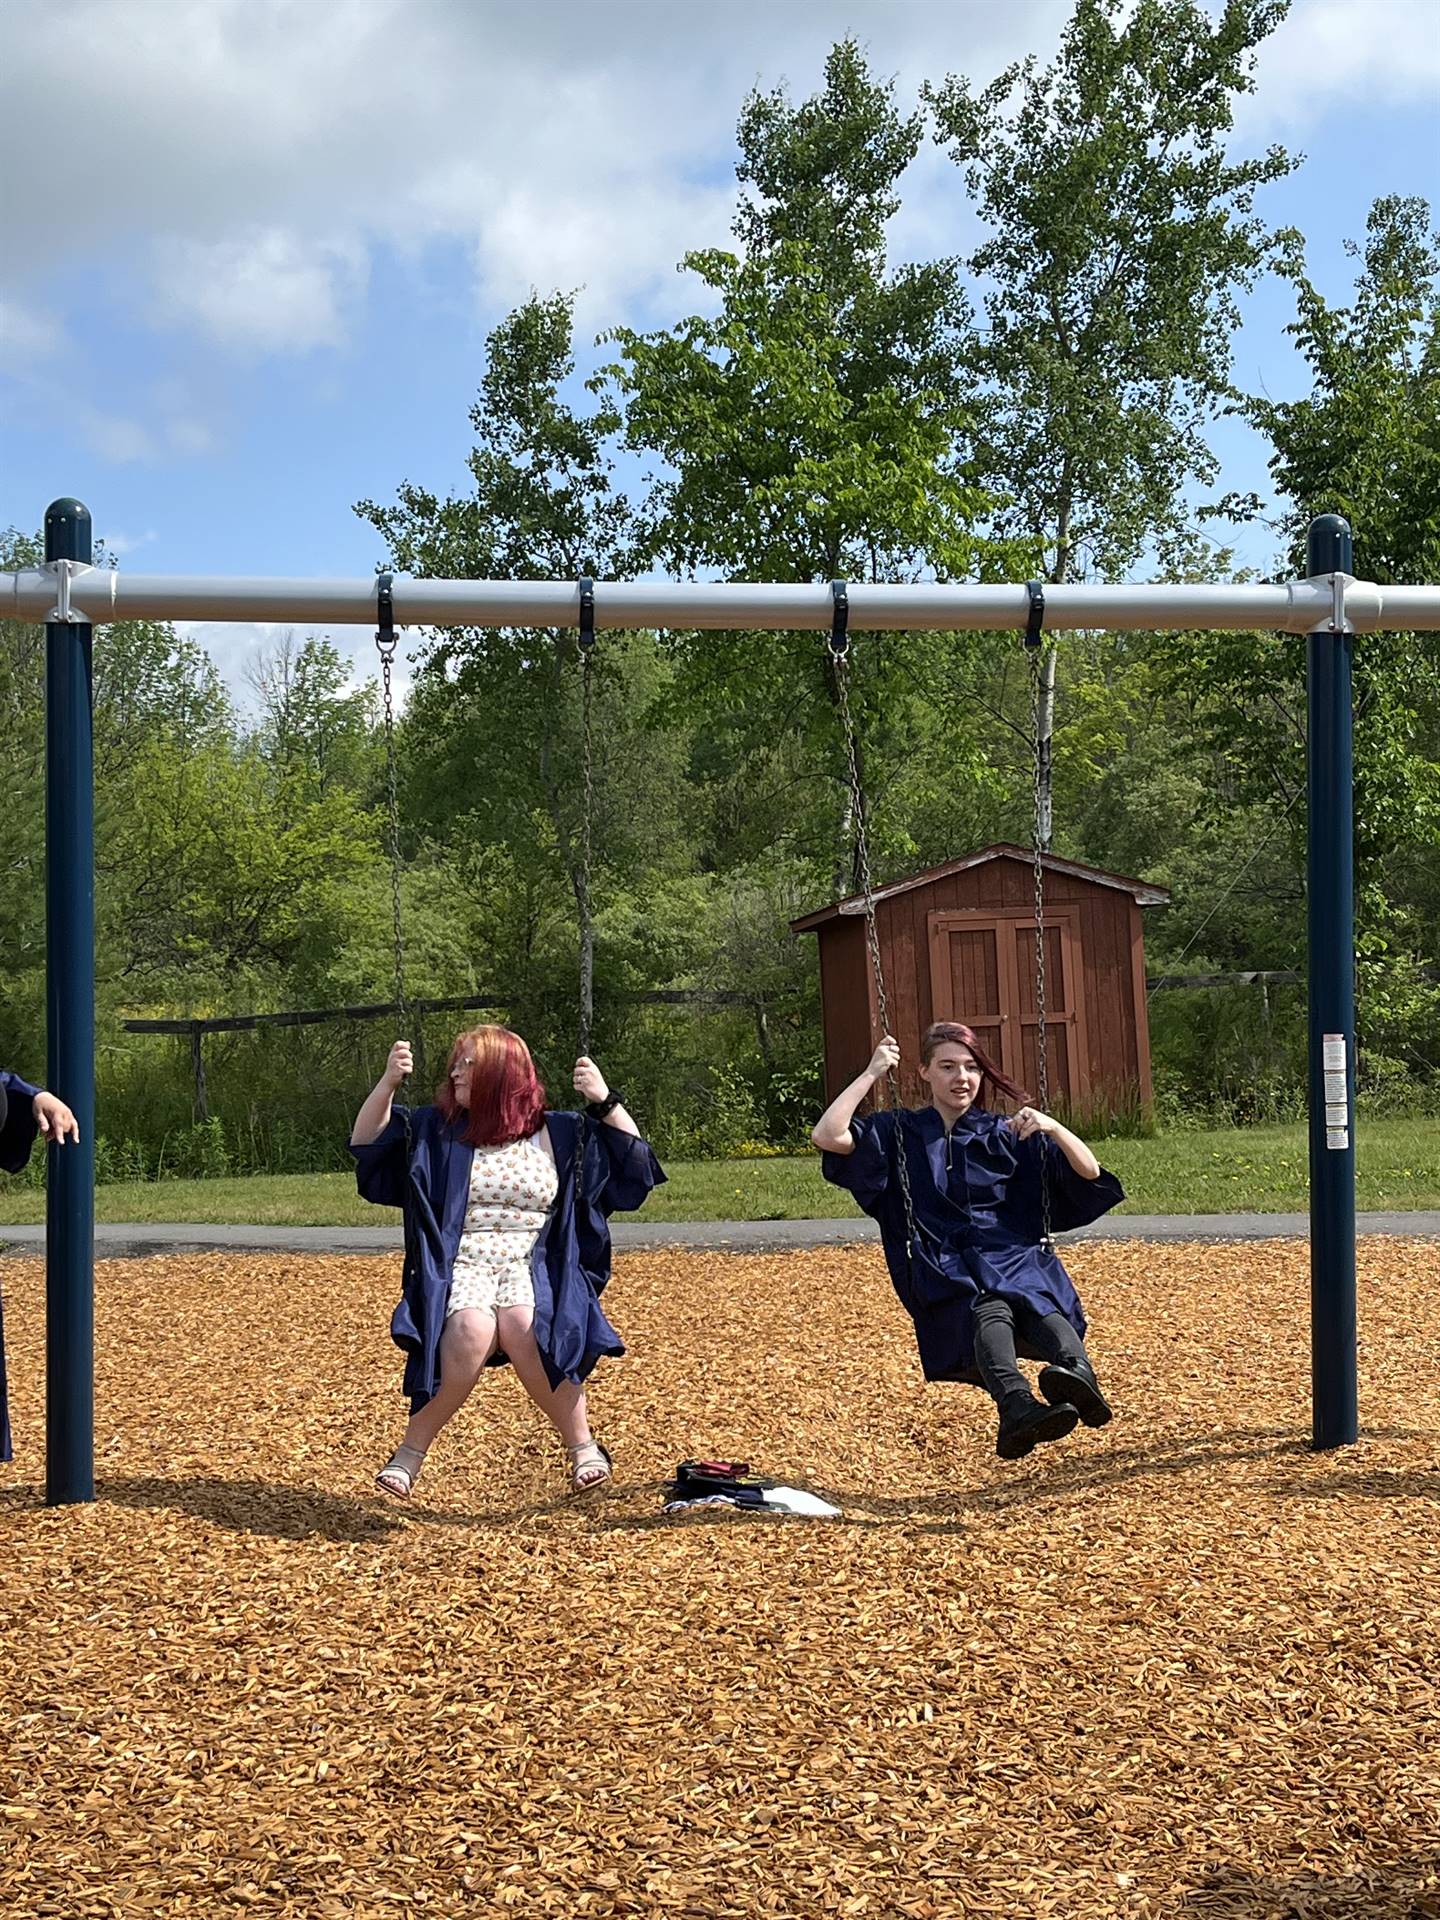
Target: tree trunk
point(197, 1062)
point(762, 1035)
point(848, 872)
point(1044, 824)
point(1044, 742)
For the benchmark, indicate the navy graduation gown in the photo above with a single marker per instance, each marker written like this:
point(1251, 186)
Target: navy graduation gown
point(977, 1205)
point(17, 1135)
point(18, 1127)
point(571, 1261)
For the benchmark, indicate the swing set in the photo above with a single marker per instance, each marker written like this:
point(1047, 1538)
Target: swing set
point(1329, 607)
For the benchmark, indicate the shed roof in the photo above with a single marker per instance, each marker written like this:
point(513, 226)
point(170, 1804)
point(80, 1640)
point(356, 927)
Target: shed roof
point(1140, 891)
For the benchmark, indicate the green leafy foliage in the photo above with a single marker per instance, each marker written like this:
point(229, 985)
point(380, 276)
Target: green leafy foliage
point(813, 423)
point(1121, 231)
point(1364, 442)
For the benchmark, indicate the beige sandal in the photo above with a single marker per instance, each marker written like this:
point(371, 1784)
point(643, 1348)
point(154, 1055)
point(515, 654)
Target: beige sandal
point(400, 1472)
point(584, 1460)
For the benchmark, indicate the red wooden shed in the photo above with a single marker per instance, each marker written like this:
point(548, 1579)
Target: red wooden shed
point(958, 943)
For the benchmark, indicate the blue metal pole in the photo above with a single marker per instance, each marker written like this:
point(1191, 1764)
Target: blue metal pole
point(1330, 873)
point(70, 1025)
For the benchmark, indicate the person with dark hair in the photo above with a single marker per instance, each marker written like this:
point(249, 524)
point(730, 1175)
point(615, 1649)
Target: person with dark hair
point(25, 1111)
point(507, 1243)
point(977, 1278)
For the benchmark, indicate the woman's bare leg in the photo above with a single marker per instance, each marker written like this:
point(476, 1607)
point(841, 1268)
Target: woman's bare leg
point(465, 1346)
point(563, 1406)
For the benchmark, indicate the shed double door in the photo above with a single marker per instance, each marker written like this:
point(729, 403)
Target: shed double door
point(982, 971)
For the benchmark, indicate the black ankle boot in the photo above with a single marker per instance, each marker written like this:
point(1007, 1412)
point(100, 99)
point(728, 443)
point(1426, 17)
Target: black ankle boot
point(1026, 1421)
point(1074, 1381)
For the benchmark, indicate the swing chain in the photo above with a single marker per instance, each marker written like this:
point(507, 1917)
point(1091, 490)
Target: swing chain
point(582, 887)
point(1035, 649)
point(840, 661)
point(587, 761)
point(385, 643)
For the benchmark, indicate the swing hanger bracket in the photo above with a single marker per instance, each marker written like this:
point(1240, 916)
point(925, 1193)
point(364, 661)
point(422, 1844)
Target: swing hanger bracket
point(587, 613)
point(840, 619)
point(385, 614)
point(1035, 624)
point(66, 573)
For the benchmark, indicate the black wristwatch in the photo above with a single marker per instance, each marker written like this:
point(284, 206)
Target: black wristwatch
point(597, 1109)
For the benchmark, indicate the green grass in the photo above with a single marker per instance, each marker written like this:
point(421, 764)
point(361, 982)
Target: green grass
point(1266, 1169)
point(1250, 1170)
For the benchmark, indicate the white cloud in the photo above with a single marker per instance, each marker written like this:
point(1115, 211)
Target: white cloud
point(271, 290)
point(1382, 53)
point(236, 646)
point(248, 157)
point(190, 438)
point(241, 164)
point(122, 543)
point(27, 334)
point(619, 252)
point(119, 438)
point(163, 420)
point(114, 437)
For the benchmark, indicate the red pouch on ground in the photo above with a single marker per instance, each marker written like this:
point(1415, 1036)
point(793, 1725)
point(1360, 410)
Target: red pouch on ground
point(711, 1476)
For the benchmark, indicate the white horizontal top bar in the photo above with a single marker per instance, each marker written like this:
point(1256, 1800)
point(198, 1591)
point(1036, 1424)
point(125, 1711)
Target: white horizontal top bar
point(100, 595)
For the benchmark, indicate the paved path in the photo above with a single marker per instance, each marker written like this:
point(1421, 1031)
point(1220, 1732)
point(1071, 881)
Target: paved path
point(739, 1236)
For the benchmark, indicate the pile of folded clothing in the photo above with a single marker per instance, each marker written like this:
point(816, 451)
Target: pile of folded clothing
point(730, 1483)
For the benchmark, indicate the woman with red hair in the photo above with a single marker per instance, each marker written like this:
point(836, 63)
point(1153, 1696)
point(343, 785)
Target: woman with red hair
point(506, 1250)
point(978, 1278)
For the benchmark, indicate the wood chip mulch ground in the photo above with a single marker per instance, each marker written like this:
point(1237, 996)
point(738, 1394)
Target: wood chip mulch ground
point(1183, 1666)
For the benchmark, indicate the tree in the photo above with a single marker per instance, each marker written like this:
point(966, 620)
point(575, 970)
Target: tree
point(220, 878)
point(22, 821)
point(152, 683)
point(813, 421)
point(312, 721)
point(494, 735)
point(1122, 232)
point(1364, 442)
point(155, 695)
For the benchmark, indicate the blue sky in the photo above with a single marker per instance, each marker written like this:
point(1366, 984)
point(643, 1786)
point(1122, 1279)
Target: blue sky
point(254, 246)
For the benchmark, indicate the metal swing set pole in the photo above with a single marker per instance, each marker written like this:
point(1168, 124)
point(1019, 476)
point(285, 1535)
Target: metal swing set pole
point(71, 597)
point(1330, 914)
point(69, 1018)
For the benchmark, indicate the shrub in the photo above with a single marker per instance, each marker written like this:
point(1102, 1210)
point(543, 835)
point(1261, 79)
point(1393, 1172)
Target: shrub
point(199, 1152)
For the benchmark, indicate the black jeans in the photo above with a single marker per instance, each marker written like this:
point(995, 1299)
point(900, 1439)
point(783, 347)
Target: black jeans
point(998, 1325)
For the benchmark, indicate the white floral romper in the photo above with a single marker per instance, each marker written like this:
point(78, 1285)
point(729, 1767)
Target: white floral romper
point(512, 1189)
